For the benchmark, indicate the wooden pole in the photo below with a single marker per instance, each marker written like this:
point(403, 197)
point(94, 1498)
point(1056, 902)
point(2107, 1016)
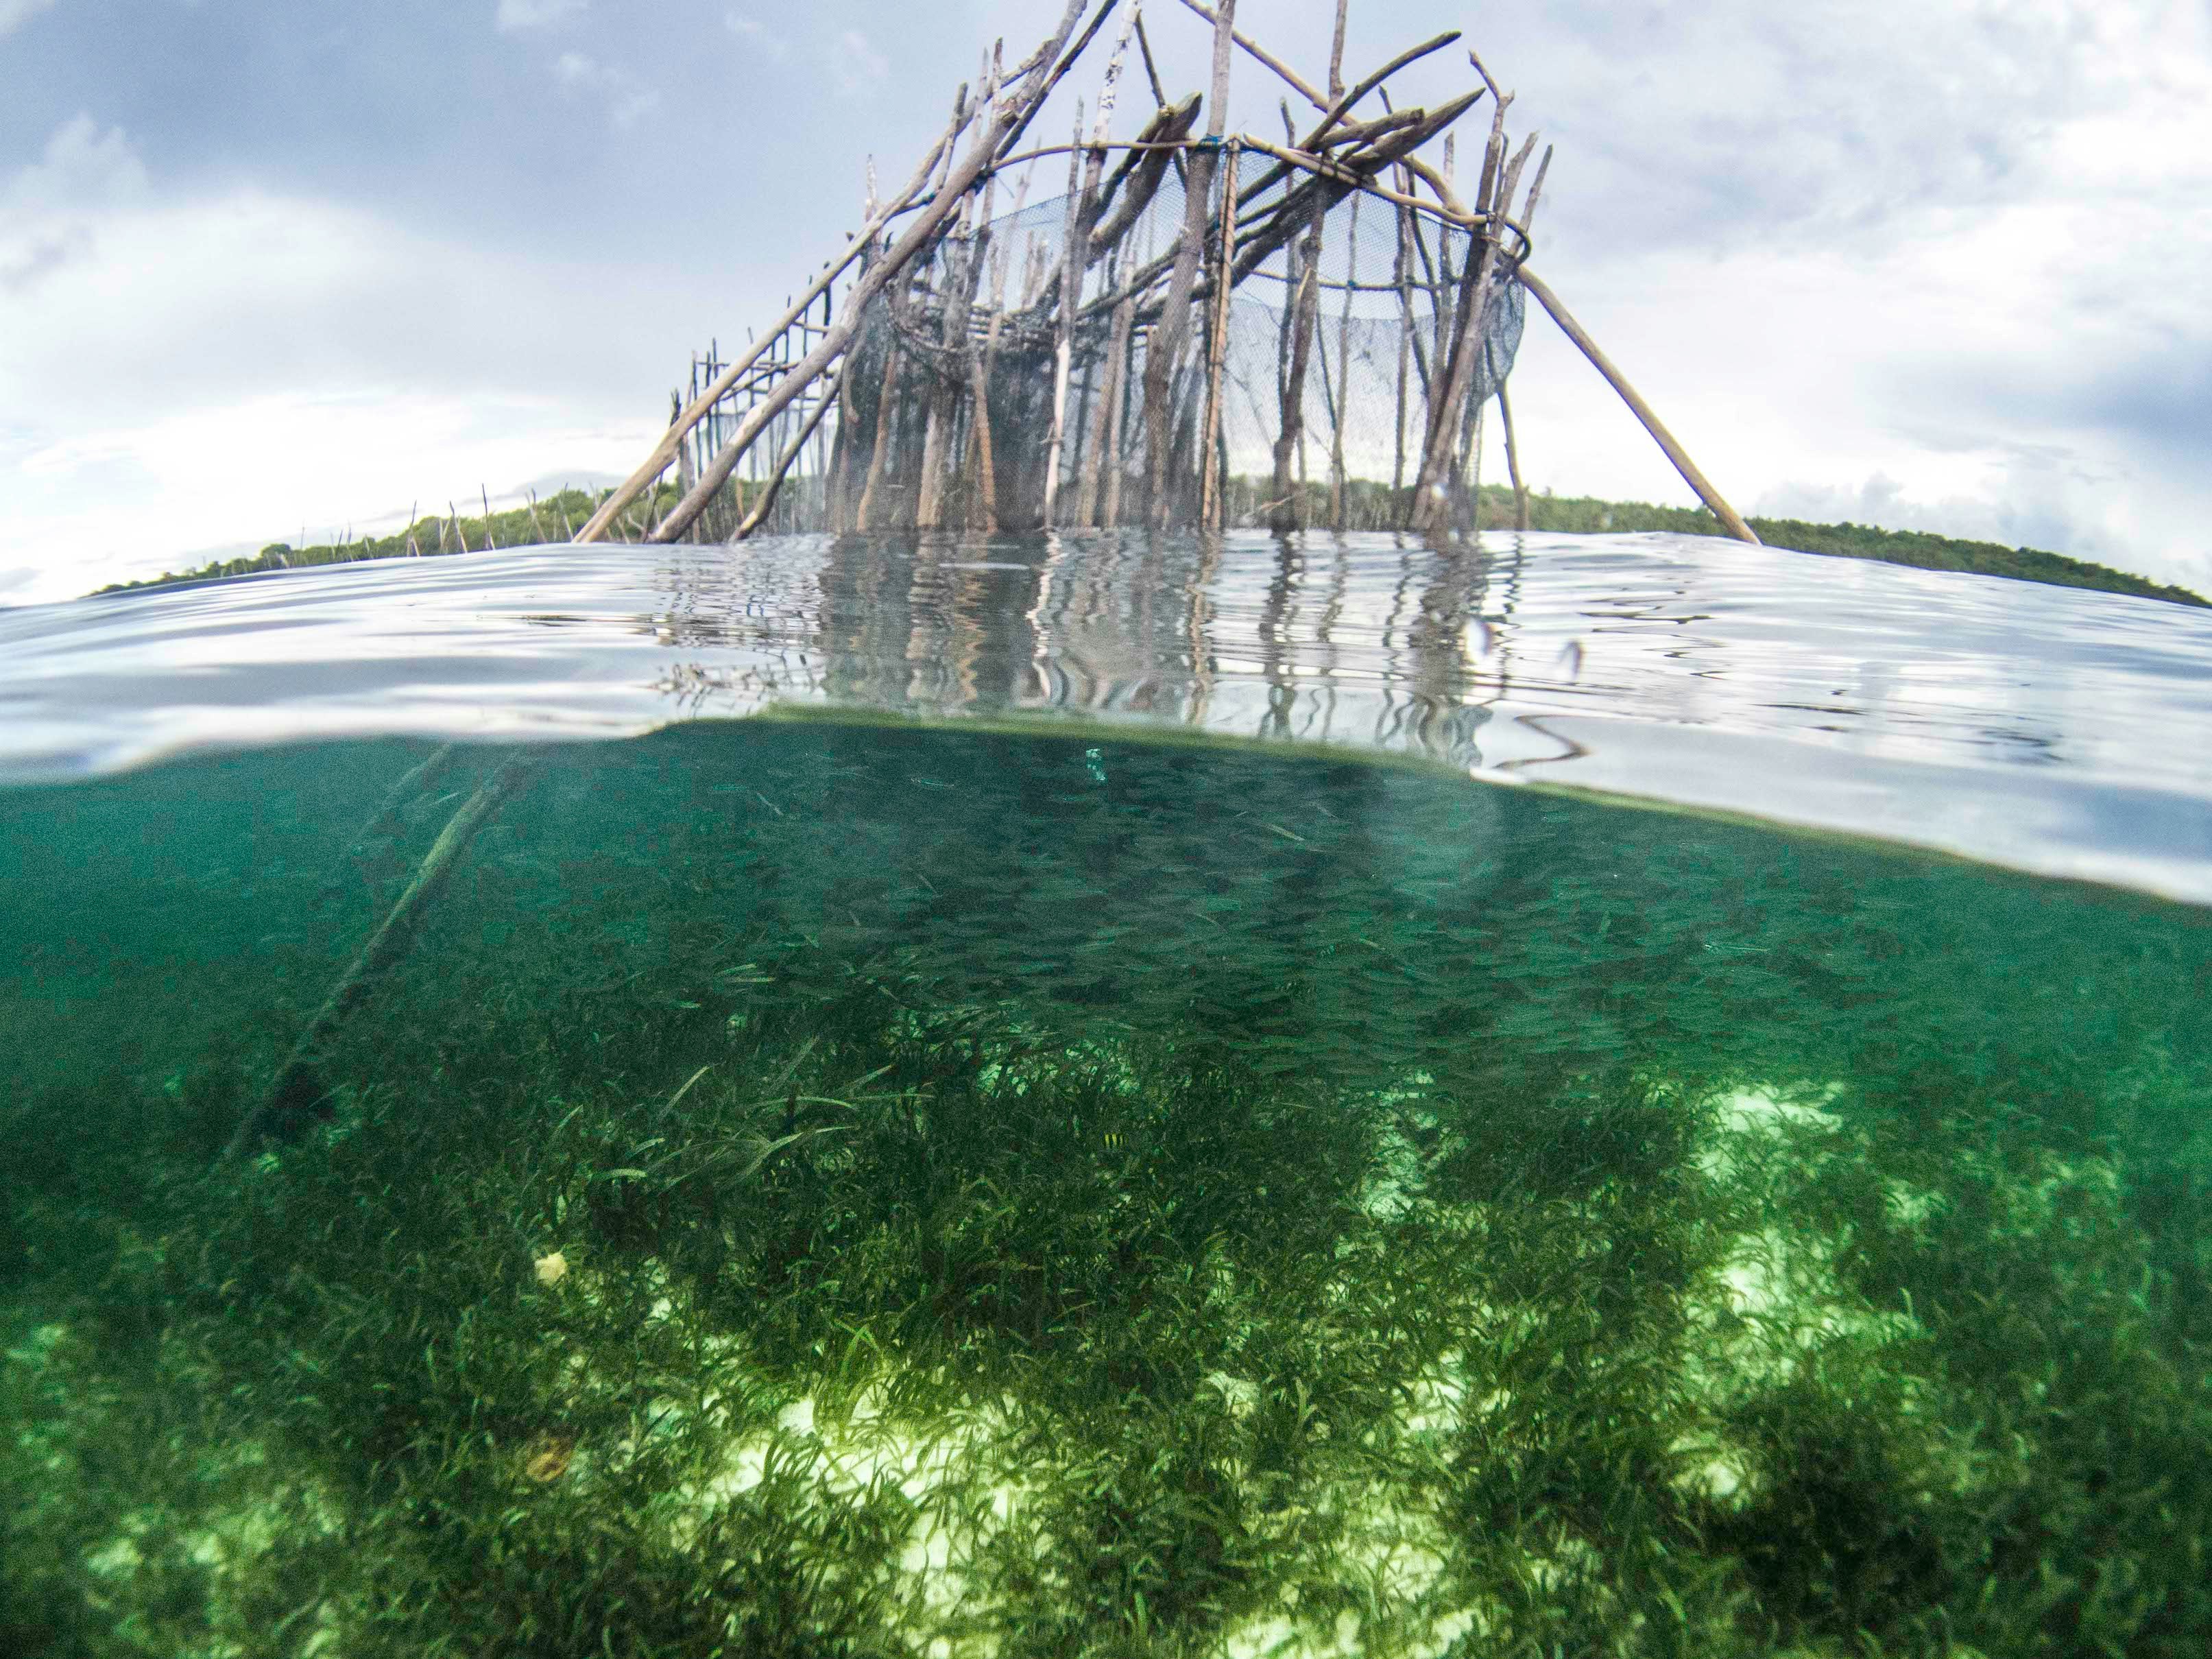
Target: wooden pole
point(299, 1093)
point(1343, 352)
point(791, 453)
point(1213, 481)
point(1125, 320)
point(883, 435)
point(1007, 116)
point(1223, 18)
point(1512, 461)
point(1071, 279)
point(1730, 520)
point(1166, 343)
point(657, 463)
point(1301, 307)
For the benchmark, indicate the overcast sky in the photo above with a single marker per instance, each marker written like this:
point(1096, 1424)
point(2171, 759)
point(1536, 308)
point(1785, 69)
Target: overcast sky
point(1927, 264)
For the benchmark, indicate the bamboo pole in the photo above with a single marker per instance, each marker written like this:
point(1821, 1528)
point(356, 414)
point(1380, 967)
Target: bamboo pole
point(298, 1092)
point(1730, 520)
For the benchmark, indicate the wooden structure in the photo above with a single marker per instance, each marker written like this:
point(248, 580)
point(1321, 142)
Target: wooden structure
point(1207, 328)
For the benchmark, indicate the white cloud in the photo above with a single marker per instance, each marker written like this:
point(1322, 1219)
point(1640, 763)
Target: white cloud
point(287, 360)
point(82, 167)
point(856, 64)
point(14, 13)
point(756, 34)
point(628, 100)
point(48, 208)
point(517, 15)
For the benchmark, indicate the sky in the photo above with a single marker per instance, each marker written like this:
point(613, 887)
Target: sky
point(269, 271)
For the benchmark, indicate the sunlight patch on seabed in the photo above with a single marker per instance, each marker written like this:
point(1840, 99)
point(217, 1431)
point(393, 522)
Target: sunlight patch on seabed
point(1776, 1304)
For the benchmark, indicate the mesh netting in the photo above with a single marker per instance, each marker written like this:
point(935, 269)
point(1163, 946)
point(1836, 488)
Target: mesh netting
point(1345, 313)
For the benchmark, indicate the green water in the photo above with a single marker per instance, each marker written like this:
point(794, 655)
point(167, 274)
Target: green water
point(1030, 1195)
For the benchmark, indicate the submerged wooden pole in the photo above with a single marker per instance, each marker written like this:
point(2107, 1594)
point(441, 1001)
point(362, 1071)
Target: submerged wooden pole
point(1730, 520)
point(299, 1091)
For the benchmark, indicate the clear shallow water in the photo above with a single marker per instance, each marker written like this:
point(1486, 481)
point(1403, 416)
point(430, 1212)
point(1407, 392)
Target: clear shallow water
point(2056, 731)
point(833, 1187)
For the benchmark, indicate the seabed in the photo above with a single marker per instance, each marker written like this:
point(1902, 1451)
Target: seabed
point(715, 1275)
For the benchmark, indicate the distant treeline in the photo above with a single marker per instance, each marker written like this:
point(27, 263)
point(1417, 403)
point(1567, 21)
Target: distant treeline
point(1916, 548)
point(556, 518)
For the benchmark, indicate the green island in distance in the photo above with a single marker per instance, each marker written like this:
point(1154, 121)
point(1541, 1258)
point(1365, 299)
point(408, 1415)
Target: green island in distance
point(554, 518)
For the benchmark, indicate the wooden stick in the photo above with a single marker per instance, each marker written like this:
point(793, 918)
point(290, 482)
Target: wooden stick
point(1071, 280)
point(1290, 77)
point(657, 463)
point(1032, 103)
point(299, 1093)
point(1335, 112)
point(415, 783)
point(1336, 50)
point(1006, 118)
point(1174, 312)
point(1343, 373)
point(1512, 461)
point(1125, 318)
point(766, 502)
point(883, 435)
point(1440, 473)
point(1574, 331)
point(1212, 486)
point(943, 395)
point(1290, 436)
point(986, 513)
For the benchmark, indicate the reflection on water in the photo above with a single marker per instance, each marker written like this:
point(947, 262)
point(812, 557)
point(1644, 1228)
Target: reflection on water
point(2059, 731)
